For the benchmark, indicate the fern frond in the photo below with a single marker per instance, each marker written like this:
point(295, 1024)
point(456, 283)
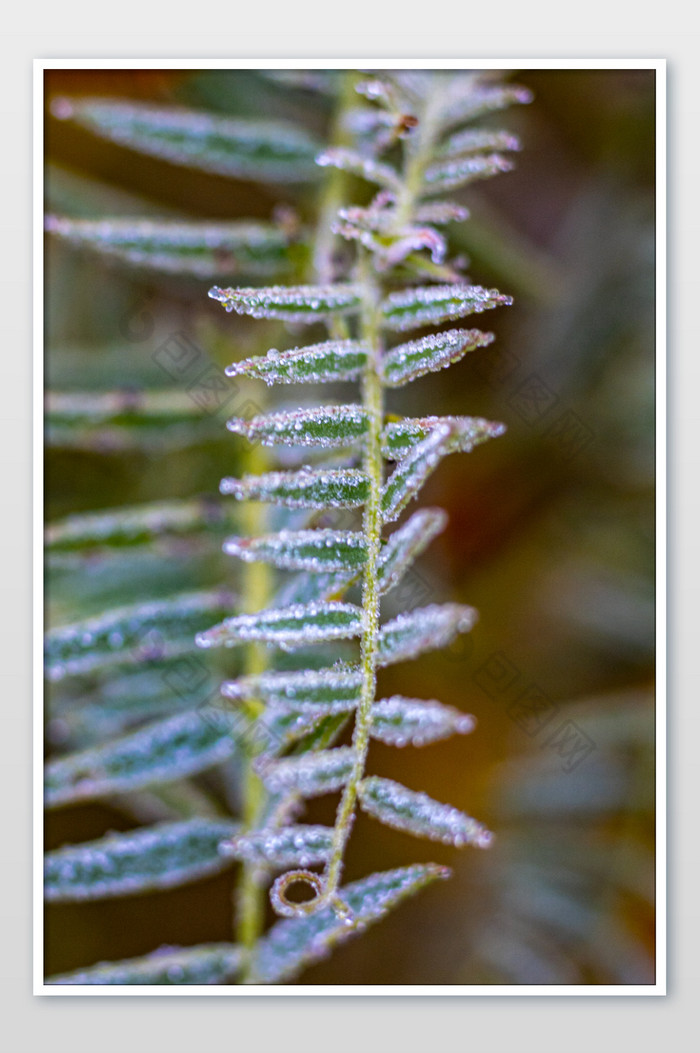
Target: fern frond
point(391, 275)
point(272, 151)
point(391, 234)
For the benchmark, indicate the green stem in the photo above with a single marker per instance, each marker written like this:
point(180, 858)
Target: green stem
point(257, 588)
point(373, 403)
point(257, 580)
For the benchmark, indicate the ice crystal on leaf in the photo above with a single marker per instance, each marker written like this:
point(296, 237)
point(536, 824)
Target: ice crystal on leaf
point(407, 362)
point(417, 814)
point(434, 304)
point(307, 488)
point(288, 846)
point(322, 363)
point(160, 856)
point(303, 303)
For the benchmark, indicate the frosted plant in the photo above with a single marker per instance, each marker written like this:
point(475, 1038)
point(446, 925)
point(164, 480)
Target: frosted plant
point(365, 306)
point(378, 273)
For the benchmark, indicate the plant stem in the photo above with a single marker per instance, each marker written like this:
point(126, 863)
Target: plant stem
point(257, 588)
point(373, 403)
point(257, 578)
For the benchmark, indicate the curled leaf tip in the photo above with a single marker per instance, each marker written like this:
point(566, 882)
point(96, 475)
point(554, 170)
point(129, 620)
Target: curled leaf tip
point(288, 908)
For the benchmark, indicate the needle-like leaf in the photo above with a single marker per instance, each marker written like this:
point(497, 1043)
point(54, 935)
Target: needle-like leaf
point(208, 963)
point(153, 857)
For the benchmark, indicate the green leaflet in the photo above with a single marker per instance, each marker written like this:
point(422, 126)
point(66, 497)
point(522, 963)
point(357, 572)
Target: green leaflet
point(407, 362)
point(307, 488)
point(153, 857)
point(113, 705)
point(208, 963)
point(406, 544)
point(423, 629)
point(399, 721)
point(401, 437)
point(204, 250)
point(121, 527)
point(417, 814)
point(434, 304)
point(332, 360)
point(288, 846)
point(292, 944)
point(324, 733)
point(310, 774)
point(358, 164)
point(139, 633)
point(306, 588)
point(474, 140)
point(410, 473)
point(277, 729)
point(332, 690)
point(130, 408)
point(288, 303)
point(316, 551)
point(271, 151)
point(455, 172)
point(160, 752)
point(325, 426)
point(291, 626)
point(476, 100)
point(114, 421)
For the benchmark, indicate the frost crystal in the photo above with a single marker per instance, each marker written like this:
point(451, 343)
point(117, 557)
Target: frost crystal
point(160, 856)
point(423, 629)
point(399, 721)
point(301, 303)
point(451, 173)
point(207, 250)
point(315, 364)
point(287, 626)
point(310, 774)
point(317, 551)
point(473, 140)
point(324, 426)
point(288, 846)
point(329, 689)
point(162, 751)
point(292, 944)
point(351, 161)
point(267, 150)
point(410, 473)
point(433, 304)
point(429, 354)
point(417, 814)
point(307, 488)
point(400, 438)
point(441, 212)
point(406, 544)
point(208, 963)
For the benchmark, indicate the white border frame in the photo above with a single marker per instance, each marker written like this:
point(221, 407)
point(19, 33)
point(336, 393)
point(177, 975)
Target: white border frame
point(656, 989)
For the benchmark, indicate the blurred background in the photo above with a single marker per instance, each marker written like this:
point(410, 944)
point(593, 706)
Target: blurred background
point(550, 534)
